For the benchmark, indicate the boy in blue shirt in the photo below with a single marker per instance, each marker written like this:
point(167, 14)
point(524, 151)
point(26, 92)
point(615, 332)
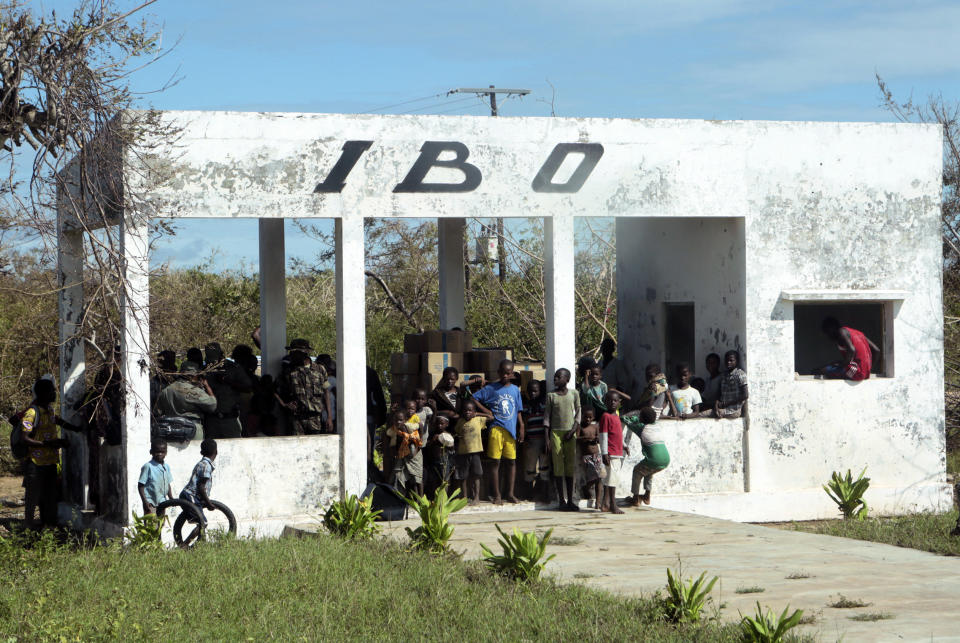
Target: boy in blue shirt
point(155, 479)
point(502, 400)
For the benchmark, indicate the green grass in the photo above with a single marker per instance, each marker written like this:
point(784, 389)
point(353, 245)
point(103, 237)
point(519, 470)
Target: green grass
point(755, 589)
point(924, 531)
point(310, 588)
point(953, 462)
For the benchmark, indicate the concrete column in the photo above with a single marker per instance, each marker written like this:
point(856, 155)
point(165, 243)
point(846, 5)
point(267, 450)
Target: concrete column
point(135, 346)
point(450, 264)
point(558, 279)
point(70, 257)
point(351, 355)
point(273, 296)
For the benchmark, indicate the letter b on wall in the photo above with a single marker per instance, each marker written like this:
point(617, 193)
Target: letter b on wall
point(429, 157)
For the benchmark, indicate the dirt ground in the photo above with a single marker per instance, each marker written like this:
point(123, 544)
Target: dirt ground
point(11, 497)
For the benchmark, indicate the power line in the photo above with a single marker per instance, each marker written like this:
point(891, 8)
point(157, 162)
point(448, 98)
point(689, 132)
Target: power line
point(407, 102)
point(420, 109)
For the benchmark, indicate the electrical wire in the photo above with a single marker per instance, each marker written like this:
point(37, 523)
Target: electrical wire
point(420, 109)
point(407, 102)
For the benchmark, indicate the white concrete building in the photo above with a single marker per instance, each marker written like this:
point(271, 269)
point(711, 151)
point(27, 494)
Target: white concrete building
point(730, 235)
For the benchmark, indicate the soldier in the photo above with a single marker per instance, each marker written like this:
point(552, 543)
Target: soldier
point(304, 391)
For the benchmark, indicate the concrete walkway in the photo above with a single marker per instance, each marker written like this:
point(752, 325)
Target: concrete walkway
point(629, 554)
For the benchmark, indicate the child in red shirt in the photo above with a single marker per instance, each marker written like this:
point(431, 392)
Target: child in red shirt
point(612, 449)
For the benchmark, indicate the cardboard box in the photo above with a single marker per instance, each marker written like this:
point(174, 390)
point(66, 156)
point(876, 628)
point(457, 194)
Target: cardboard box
point(446, 341)
point(526, 376)
point(487, 359)
point(413, 343)
point(405, 363)
point(436, 362)
point(526, 365)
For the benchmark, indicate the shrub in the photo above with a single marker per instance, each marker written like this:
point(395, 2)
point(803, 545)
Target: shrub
point(848, 493)
point(684, 602)
point(352, 518)
point(145, 531)
point(765, 628)
point(435, 530)
point(522, 557)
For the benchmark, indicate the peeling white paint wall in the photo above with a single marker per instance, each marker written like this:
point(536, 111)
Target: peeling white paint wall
point(820, 206)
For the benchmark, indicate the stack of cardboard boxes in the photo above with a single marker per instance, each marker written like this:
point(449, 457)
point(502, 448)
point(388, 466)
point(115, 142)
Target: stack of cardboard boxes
point(426, 354)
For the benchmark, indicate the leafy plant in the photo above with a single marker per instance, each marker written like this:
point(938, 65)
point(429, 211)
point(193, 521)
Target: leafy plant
point(684, 602)
point(764, 627)
point(522, 557)
point(435, 530)
point(848, 493)
point(352, 518)
point(145, 532)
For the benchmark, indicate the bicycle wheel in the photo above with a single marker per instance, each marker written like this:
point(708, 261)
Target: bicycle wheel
point(225, 510)
point(188, 511)
point(191, 538)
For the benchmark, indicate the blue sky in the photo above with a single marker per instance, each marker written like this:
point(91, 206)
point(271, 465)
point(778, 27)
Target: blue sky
point(714, 59)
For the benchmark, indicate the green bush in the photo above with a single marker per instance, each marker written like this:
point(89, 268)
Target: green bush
point(848, 493)
point(145, 531)
point(435, 530)
point(684, 602)
point(522, 557)
point(352, 518)
point(764, 627)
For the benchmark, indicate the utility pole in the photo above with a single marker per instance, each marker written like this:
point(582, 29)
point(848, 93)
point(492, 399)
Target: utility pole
point(491, 92)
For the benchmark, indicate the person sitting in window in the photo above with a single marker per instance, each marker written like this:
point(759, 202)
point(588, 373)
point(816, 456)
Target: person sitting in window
point(855, 349)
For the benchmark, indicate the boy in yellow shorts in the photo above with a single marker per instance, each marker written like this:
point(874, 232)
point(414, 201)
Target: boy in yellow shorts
point(502, 400)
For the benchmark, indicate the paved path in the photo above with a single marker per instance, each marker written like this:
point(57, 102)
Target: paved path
point(630, 553)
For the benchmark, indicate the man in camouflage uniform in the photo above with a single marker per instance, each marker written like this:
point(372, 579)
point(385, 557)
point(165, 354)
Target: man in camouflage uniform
point(305, 392)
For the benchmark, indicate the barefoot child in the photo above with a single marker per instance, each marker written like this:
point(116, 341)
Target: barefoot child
point(501, 399)
point(408, 459)
point(469, 449)
point(656, 458)
point(561, 417)
point(155, 484)
point(657, 393)
point(611, 446)
point(536, 457)
point(588, 438)
point(200, 484)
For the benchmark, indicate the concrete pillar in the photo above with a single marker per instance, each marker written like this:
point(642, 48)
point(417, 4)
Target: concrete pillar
point(70, 257)
point(450, 264)
point(351, 355)
point(135, 346)
point(273, 296)
point(558, 279)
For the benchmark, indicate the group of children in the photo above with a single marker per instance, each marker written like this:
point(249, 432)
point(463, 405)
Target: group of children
point(462, 432)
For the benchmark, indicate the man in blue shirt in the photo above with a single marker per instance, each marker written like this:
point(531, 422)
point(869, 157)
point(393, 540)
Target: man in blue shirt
point(502, 400)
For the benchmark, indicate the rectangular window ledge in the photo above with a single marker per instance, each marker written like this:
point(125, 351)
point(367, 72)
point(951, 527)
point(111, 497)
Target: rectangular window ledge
point(843, 295)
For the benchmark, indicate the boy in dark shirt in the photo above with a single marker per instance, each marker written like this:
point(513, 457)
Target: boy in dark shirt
point(536, 461)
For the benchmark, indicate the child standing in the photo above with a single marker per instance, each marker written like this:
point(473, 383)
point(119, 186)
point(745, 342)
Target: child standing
point(469, 431)
point(408, 459)
point(588, 437)
point(686, 398)
point(733, 388)
point(561, 416)
point(501, 399)
point(42, 437)
point(657, 393)
point(656, 458)
point(536, 458)
point(200, 484)
point(155, 484)
point(446, 396)
point(612, 449)
point(438, 464)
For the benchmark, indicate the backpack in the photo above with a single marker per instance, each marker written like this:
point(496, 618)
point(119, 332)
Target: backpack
point(174, 428)
point(17, 446)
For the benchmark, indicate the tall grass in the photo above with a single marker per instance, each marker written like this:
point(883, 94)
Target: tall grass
point(315, 588)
